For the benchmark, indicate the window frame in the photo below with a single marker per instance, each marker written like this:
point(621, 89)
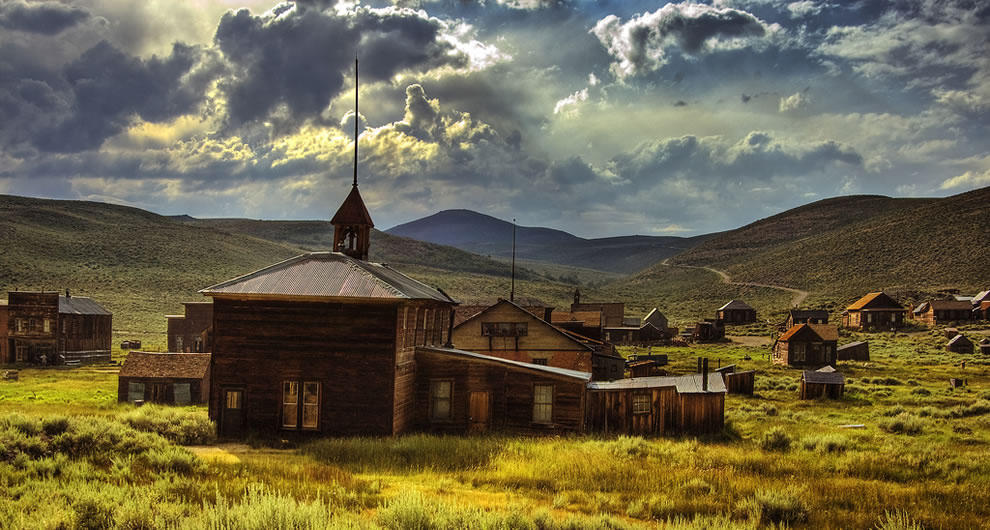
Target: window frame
point(549, 405)
point(434, 399)
point(299, 405)
point(637, 399)
point(132, 387)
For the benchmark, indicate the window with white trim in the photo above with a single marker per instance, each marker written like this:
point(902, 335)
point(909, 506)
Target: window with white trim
point(300, 405)
point(542, 403)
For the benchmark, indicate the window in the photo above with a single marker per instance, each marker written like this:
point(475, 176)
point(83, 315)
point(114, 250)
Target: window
point(135, 392)
point(294, 416)
point(182, 393)
point(504, 329)
point(542, 362)
point(542, 403)
point(47, 325)
point(641, 404)
point(19, 324)
point(798, 352)
point(440, 400)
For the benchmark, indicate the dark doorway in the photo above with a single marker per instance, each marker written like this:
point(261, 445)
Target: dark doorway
point(232, 412)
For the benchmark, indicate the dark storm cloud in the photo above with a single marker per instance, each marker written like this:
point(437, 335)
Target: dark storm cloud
point(298, 57)
point(46, 18)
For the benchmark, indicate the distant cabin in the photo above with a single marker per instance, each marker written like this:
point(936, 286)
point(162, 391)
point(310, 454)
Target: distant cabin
point(5, 356)
point(736, 312)
point(49, 328)
point(537, 307)
point(584, 323)
point(168, 378)
point(959, 344)
point(985, 346)
point(190, 332)
point(509, 331)
point(937, 312)
point(875, 311)
point(807, 345)
point(805, 316)
point(822, 383)
point(708, 331)
point(854, 351)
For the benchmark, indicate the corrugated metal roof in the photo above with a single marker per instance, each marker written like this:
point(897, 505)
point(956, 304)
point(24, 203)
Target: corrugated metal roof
point(328, 274)
point(80, 305)
point(685, 384)
point(851, 345)
point(585, 376)
point(165, 365)
point(735, 304)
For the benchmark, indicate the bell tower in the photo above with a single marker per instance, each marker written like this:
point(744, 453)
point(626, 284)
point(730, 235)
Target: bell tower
point(352, 223)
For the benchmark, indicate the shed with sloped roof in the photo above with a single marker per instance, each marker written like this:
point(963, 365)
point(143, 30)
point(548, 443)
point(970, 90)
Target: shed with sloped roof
point(169, 378)
point(959, 344)
point(657, 405)
point(824, 382)
point(874, 311)
point(736, 312)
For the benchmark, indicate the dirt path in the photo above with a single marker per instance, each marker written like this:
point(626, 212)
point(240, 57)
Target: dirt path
point(796, 300)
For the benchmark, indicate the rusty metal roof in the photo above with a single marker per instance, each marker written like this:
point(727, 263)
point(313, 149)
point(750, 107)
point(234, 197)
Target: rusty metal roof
point(881, 298)
point(165, 365)
point(80, 305)
point(585, 376)
point(331, 275)
point(685, 384)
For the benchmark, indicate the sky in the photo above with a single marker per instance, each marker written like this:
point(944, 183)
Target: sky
point(598, 117)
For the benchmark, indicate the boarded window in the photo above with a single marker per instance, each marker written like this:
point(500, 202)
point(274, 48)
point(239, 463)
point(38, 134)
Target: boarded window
point(47, 326)
point(290, 404)
point(641, 404)
point(440, 400)
point(504, 329)
point(311, 405)
point(182, 393)
point(542, 403)
point(135, 392)
point(797, 352)
point(542, 362)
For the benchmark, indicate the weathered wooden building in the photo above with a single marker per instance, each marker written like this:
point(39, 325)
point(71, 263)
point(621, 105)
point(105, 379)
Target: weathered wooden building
point(824, 382)
point(584, 323)
point(805, 316)
point(47, 328)
point(170, 378)
point(6, 356)
point(937, 312)
point(807, 345)
point(875, 311)
point(959, 344)
point(613, 314)
point(708, 331)
point(458, 391)
point(737, 382)
point(190, 332)
point(854, 351)
point(537, 307)
point(657, 405)
point(985, 346)
point(736, 312)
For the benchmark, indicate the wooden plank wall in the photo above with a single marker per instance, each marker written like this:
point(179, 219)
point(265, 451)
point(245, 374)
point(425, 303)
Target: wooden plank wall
point(702, 413)
point(611, 412)
point(85, 333)
point(198, 388)
point(740, 382)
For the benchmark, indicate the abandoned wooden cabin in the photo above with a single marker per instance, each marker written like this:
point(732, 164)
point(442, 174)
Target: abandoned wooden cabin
point(822, 383)
point(5, 355)
point(47, 328)
point(708, 331)
point(584, 323)
point(982, 311)
point(854, 351)
point(985, 346)
point(875, 311)
point(323, 342)
point(168, 378)
point(805, 316)
point(736, 312)
point(537, 307)
point(937, 312)
point(737, 382)
point(644, 368)
point(657, 405)
point(959, 344)
point(509, 331)
point(613, 313)
point(190, 332)
point(458, 391)
point(807, 345)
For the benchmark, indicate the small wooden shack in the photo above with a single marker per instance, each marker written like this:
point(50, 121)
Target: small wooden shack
point(805, 316)
point(186, 332)
point(875, 311)
point(985, 346)
point(807, 345)
point(737, 382)
point(643, 368)
point(169, 378)
point(708, 331)
point(736, 312)
point(459, 391)
point(854, 351)
point(5, 355)
point(936, 312)
point(959, 344)
point(657, 405)
point(824, 382)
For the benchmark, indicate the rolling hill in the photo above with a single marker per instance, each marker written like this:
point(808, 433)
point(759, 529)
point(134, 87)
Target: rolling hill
point(486, 235)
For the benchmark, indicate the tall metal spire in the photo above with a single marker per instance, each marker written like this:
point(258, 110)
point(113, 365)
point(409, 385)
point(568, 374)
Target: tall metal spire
point(356, 118)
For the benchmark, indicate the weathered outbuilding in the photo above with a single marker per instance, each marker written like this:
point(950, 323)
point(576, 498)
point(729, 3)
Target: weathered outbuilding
point(824, 382)
point(737, 382)
point(807, 345)
point(874, 311)
point(937, 312)
point(5, 353)
point(170, 378)
point(959, 344)
point(48, 328)
point(854, 351)
point(985, 346)
point(189, 332)
point(736, 312)
point(657, 405)
point(805, 316)
point(708, 331)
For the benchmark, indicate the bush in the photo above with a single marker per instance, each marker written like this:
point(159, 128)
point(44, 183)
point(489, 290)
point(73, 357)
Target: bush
point(897, 521)
point(776, 439)
point(828, 443)
point(904, 423)
point(921, 391)
point(772, 507)
point(185, 426)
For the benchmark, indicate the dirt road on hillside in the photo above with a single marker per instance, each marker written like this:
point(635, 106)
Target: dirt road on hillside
point(796, 300)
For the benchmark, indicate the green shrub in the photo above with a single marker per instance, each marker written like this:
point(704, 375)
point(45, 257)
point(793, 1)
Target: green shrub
point(182, 425)
point(897, 521)
point(921, 391)
point(771, 507)
point(776, 439)
point(827, 443)
point(904, 423)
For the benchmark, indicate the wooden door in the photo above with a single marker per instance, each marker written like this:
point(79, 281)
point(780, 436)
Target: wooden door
point(158, 392)
point(232, 412)
point(479, 412)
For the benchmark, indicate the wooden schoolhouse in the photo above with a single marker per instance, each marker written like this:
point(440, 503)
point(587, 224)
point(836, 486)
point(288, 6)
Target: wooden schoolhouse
point(46, 328)
point(875, 311)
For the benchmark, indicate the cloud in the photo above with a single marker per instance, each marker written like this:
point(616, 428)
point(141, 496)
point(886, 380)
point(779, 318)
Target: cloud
point(568, 106)
point(47, 18)
point(642, 43)
point(969, 179)
point(794, 102)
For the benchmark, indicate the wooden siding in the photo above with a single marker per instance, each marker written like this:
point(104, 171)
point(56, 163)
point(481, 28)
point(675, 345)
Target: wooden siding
point(510, 395)
point(819, 390)
point(736, 316)
point(185, 334)
point(874, 319)
point(85, 336)
point(6, 356)
point(740, 382)
point(611, 412)
point(854, 352)
point(199, 389)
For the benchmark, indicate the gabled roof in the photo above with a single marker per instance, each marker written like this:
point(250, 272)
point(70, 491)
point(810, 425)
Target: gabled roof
point(165, 365)
point(850, 345)
point(685, 384)
point(825, 332)
point(824, 377)
point(922, 307)
point(981, 296)
point(959, 339)
point(539, 321)
point(352, 211)
point(877, 300)
point(80, 305)
point(329, 275)
point(948, 305)
point(809, 313)
point(574, 374)
point(736, 304)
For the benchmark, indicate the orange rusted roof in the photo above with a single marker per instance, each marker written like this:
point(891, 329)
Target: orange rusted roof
point(826, 332)
point(869, 298)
